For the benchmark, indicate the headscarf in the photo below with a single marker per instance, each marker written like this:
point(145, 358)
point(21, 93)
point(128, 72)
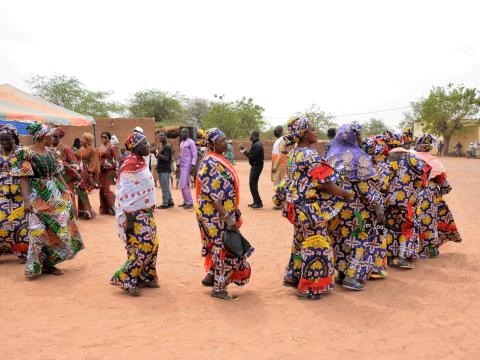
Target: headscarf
point(393, 139)
point(347, 157)
point(297, 127)
point(425, 143)
point(88, 137)
point(133, 140)
point(370, 146)
point(213, 135)
point(114, 140)
point(407, 136)
point(201, 137)
point(60, 132)
point(38, 130)
point(10, 130)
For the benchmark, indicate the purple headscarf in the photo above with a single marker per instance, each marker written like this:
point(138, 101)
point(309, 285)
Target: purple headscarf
point(347, 157)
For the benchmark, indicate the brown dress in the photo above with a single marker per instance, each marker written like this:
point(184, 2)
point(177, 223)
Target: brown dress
point(89, 168)
point(108, 156)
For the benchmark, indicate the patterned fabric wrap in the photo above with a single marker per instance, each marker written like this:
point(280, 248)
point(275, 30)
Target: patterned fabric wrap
point(407, 178)
point(201, 138)
point(407, 137)
point(216, 181)
point(212, 135)
point(297, 128)
point(60, 132)
point(108, 157)
point(393, 139)
point(310, 211)
point(13, 223)
point(133, 140)
point(53, 232)
point(38, 130)
point(347, 157)
point(135, 191)
point(425, 143)
point(142, 248)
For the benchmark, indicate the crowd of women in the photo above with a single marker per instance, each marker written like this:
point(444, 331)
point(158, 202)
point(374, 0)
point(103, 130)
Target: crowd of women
point(371, 203)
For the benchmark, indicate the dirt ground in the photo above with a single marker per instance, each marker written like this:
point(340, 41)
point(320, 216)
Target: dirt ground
point(431, 312)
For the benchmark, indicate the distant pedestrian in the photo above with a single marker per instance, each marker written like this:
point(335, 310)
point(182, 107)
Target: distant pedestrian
point(439, 148)
point(185, 165)
point(331, 133)
point(458, 149)
point(229, 154)
point(164, 169)
point(255, 158)
point(279, 156)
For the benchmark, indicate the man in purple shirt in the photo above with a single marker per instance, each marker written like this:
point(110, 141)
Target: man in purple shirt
point(185, 164)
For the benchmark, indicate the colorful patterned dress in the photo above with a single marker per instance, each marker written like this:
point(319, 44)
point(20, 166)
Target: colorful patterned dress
point(311, 263)
point(89, 166)
point(217, 181)
point(13, 223)
point(71, 168)
point(53, 232)
point(436, 223)
point(136, 196)
point(408, 176)
point(108, 168)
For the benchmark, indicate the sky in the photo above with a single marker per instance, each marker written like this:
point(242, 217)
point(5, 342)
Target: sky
point(347, 57)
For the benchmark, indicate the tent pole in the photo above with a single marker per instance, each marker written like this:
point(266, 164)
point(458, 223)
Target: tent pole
point(94, 136)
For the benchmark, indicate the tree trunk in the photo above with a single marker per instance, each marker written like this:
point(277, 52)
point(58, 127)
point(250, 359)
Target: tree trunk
point(446, 144)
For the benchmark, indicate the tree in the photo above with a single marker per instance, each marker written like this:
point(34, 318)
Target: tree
point(236, 118)
point(320, 119)
point(71, 94)
point(373, 127)
point(196, 110)
point(164, 107)
point(446, 110)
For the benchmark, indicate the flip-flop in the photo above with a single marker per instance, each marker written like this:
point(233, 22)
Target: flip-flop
point(224, 296)
point(356, 286)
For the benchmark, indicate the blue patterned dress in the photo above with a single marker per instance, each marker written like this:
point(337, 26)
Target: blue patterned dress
point(311, 263)
point(215, 182)
point(408, 176)
point(13, 222)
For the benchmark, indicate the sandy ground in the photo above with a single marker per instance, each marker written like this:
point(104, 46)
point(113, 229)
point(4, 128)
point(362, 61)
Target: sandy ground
point(432, 312)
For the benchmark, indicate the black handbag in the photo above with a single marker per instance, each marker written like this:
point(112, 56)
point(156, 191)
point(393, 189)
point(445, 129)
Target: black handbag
point(235, 243)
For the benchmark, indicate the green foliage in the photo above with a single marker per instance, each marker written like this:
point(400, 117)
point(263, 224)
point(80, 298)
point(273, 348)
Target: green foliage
point(320, 119)
point(71, 94)
point(164, 107)
point(373, 127)
point(446, 110)
point(196, 110)
point(236, 118)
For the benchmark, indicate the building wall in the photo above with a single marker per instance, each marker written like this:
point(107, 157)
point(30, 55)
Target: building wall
point(465, 136)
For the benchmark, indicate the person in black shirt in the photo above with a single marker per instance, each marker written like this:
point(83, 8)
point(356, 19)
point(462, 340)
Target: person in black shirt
point(255, 158)
point(164, 167)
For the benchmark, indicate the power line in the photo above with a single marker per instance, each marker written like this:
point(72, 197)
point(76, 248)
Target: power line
point(353, 114)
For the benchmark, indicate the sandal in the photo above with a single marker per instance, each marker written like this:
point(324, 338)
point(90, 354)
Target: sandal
point(208, 280)
point(352, 284)
point(133, 291)
point(30, 276)
point(290, 283)
point(51, 270)
point(404, 263)
point(223, 295)
point(381, 274)
point(308, 296)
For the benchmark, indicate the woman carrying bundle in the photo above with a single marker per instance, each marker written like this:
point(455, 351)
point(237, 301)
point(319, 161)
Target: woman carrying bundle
point(218, 197)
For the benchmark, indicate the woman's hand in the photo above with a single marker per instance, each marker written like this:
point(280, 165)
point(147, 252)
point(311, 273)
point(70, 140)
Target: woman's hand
point(27, 207)
point(380, 214)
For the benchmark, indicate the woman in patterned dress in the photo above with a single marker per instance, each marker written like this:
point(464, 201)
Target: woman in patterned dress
point(134, 205)
point(436, 222)
point(358, 243)
point(53, 233)
point(218, 196)
point(13, 223)
point(408, 176)
point(312, 200)
point(89, 168)
point(71, 166)
point(108, 155)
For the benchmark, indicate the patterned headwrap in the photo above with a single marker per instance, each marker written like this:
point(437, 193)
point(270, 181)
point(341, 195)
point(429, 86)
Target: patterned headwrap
point(114, 140)
point(133, 140)
point(347, 157)
point(38, 130)
point(297, 127)
point(10, 130)
point(201, 137)
point(393, 139)
point(60, 132)
point(425, 143)
point(212, 135)
point(369, 145)
point(407, 137)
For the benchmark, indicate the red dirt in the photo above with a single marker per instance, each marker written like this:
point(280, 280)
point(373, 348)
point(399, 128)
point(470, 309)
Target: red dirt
point(431, 312)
